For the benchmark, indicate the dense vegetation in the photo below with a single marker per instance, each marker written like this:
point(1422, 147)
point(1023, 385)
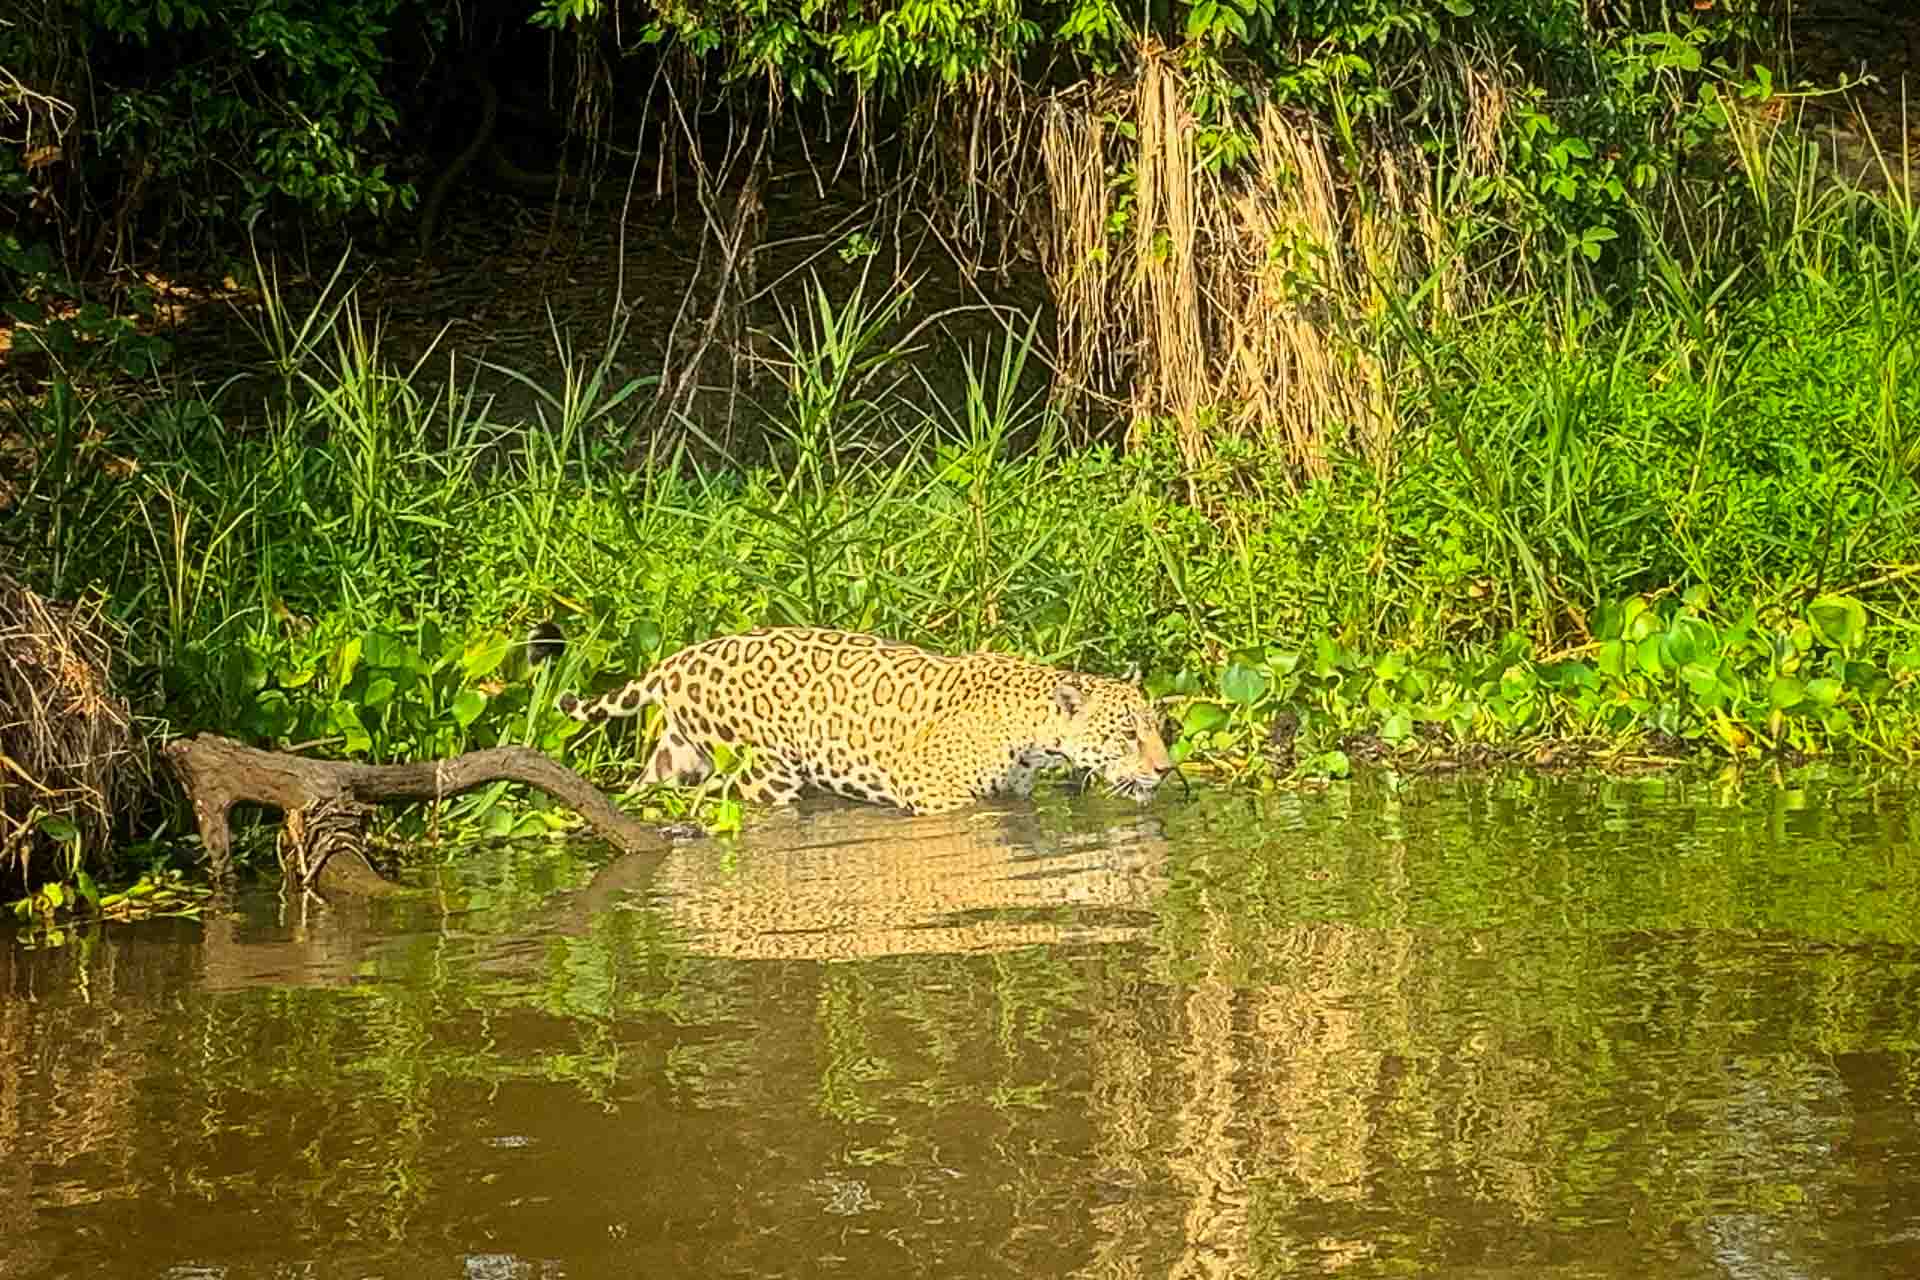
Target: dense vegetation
point(1573, 408)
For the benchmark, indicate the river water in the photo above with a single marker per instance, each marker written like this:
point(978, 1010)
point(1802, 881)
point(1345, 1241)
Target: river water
point(1505, 1027)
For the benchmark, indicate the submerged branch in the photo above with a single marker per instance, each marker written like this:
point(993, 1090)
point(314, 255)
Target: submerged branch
point(219, 773)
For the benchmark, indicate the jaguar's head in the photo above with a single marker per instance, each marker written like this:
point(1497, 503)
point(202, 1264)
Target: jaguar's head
point(1110, 729)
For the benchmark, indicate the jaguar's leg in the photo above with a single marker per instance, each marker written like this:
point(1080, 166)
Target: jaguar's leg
point(769, 781)
point(677, 759)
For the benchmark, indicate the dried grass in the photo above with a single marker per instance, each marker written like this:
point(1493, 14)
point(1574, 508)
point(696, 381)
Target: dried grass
point(67, 744)
point(1250, 301)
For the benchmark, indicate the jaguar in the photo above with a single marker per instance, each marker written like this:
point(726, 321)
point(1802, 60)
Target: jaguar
point(884, 721)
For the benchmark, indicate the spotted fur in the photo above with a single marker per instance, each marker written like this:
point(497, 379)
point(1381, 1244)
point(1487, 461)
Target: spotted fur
point(878, 720)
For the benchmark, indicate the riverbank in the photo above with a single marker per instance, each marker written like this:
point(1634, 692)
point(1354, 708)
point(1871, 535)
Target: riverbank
point(1678, 525)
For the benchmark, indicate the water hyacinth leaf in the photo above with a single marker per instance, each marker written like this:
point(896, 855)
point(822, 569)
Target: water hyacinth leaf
point(345, 718)
point(59, 830)
point(1649, 655)
point(1609, 620)
point(467, 706)
point(1839, 621)
point(1740, 634)
point(88, 889)
point(1677, 648)
point(646, 637)
point(246, 673)
point(1865, 679)
point(1705, 640)
point(1702, 681)
point(379, 691)
point(1203, 717)
point(1243, 684)
point(483, 656)
point(1397, 728)
point(1391, 667)
point(1570, 675)
point(382, 649)
point(296, 677)
point(1612, 659)
point(1824, 691)
point(1645, 622)
point(272, 714)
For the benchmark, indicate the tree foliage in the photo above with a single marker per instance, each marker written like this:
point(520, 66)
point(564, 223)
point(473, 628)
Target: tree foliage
point(190, 117)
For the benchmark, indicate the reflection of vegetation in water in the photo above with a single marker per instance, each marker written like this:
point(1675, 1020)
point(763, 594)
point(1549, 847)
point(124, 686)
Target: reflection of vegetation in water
point(1373, 1026)
point(1597, 963)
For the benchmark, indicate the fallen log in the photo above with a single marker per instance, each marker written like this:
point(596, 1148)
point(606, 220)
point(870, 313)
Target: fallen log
point(326, 802)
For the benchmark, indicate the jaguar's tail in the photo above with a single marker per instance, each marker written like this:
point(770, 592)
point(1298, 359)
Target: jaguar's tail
point(624, 701)
point(545, 642)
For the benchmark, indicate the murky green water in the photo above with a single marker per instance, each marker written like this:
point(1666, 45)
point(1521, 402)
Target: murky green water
point(1507, 1028)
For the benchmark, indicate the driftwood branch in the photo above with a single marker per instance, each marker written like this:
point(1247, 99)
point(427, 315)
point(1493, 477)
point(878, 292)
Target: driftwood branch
point(316, 795)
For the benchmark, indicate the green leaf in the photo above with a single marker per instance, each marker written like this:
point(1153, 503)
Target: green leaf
point(88, 889)
point(1570, 675)
point(60, 830)
point(379, 691)
point(272, 715)
point(1866, 680)
point(1203, 717)
point(1703, 681)
point(1839, 621)
point(1649, 655)
point(1824, 692)
point(1677, 648)
point(345, 718)
point(1398, 727)
point(1243, 684)
point(383, 649)
point(1786, 693)
point(245, 673)
point(296, 677)
point(484, 655)
point(467, 706)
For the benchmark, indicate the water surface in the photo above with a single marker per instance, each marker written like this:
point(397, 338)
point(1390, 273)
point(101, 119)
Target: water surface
point(1506, 1027)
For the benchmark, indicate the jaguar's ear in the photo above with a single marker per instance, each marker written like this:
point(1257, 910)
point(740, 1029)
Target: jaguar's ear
point(1069, 698)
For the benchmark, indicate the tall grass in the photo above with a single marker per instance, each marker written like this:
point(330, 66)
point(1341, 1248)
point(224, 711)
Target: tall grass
point(353, 575)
